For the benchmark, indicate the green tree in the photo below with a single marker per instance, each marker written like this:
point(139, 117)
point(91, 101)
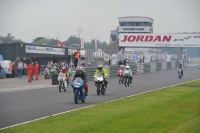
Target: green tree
point(7, 39)
point(72, 40)
point(45, 41)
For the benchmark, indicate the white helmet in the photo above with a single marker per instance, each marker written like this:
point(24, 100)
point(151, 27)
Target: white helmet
point(127, 67)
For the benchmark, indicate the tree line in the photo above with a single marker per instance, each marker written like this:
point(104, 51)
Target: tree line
point(53, 42)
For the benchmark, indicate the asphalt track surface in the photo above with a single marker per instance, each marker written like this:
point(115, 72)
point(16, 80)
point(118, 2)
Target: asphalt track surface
point(25, 105)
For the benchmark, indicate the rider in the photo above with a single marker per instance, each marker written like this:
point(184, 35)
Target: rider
point(122, 70)
point(63, 71)
point(56, 67)
point(180, 67)
point(103, 72)
point(82, 75)
point(49, 65)
point(130, 72)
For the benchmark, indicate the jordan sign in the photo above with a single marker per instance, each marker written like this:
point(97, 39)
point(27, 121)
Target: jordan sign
point(159, 40)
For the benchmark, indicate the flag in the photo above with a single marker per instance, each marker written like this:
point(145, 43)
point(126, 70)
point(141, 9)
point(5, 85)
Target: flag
point(63, 44)
point(95, 42)
point(58, 43)
point(82, 41)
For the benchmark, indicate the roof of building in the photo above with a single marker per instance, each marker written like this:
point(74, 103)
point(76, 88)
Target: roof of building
point(135, 17)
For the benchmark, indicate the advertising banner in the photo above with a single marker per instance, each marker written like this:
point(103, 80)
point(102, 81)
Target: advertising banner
point(159, 40)
point(44, 50)
point(147, 58)
point(134, 58)
point(82, 41)
point(168, 58)
point(121, 57)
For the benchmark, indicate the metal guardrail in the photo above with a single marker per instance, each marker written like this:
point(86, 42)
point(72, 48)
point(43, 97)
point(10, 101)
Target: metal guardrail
point(136, 68)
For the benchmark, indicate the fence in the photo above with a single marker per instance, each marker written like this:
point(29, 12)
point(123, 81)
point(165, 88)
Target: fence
point(109, 57)
point(136, 68)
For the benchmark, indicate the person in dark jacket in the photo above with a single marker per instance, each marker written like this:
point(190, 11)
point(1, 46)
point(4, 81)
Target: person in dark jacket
point(82, 75)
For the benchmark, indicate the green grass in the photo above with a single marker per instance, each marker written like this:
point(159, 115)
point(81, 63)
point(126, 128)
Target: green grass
point(171, 110)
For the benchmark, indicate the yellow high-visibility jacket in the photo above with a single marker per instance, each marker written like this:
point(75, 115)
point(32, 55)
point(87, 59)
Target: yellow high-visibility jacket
point(103, 72)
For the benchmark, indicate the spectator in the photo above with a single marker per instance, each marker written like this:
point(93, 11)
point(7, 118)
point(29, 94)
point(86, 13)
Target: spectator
point(125, 61)
point(109, 62)
point(12, 69)
point(25, 71)
point(20, 68)
point(76, 57)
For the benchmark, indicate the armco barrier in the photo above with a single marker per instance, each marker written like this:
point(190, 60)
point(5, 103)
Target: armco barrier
point(136, 68)
point(164, 66)
point(173, 65)
point(169, 65)
point(114, 70)
point(153, 67)
point(158, 66)
point(147, 68)
point(90, 72)
point(140, 68)
point(177, 63)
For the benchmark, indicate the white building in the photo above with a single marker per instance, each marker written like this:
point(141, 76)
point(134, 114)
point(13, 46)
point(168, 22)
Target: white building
point(132, 24)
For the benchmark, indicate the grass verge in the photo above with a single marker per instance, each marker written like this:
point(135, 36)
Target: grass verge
point(174, 110)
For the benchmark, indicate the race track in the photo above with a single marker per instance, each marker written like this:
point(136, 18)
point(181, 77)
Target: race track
point(25, 105)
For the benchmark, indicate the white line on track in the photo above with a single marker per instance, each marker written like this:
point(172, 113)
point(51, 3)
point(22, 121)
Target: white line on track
point(94, 105)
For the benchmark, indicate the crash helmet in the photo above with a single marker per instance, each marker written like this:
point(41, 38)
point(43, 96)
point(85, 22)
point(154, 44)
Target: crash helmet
point(127, 67)
point(100, 67)
point(78, 69)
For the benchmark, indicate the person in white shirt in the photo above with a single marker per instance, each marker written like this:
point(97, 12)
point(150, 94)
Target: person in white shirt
point(20, 68)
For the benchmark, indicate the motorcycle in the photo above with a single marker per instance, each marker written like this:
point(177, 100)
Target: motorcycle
point(47, 74)
point(62, 82)
point(126, 78)
point(121, 78)
point(179, 73)
point(79, 90)
point(99, 81)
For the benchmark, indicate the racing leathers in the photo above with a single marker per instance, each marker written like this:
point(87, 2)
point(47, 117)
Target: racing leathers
point(130, 73)
point(82, 75)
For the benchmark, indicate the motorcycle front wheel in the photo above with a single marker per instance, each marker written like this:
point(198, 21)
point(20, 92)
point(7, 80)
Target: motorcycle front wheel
point(60, 86)
point(120, 80)
point(98, 89)
point(76, 97)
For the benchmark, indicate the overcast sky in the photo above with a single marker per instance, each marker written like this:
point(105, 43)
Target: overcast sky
point(28, 19)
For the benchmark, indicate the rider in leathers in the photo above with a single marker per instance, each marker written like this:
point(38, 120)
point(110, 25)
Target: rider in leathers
point(103, 72)
point(180, 67)
point(82, 75)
